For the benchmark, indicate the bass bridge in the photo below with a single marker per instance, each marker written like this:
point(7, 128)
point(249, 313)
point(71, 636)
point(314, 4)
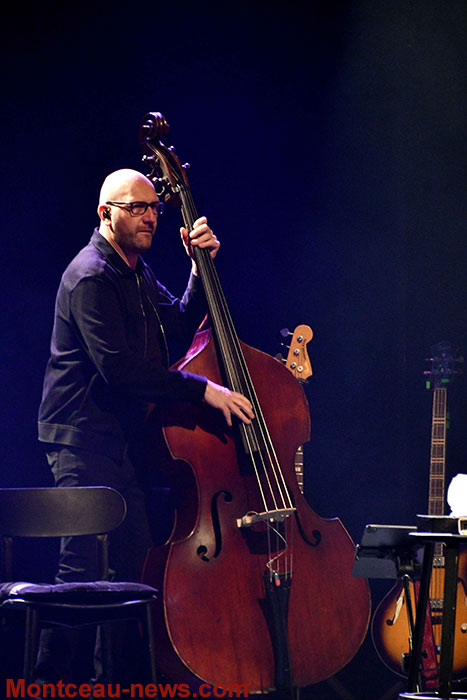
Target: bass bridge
point(269, 516)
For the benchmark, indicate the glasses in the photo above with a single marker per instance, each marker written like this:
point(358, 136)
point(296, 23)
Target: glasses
point(139, 208)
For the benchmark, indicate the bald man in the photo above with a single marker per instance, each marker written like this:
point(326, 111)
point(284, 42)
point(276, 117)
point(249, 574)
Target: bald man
point(109, 360)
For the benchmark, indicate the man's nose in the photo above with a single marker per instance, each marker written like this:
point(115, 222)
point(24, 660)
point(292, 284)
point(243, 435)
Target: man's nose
point(150, 215)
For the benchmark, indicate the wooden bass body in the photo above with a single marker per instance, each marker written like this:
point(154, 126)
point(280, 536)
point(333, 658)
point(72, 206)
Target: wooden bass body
point(214, 620)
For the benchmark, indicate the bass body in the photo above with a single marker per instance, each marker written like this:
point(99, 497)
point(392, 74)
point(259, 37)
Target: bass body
point(216, 623)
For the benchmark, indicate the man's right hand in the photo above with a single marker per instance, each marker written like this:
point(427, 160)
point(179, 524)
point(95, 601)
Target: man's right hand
point(229, 402)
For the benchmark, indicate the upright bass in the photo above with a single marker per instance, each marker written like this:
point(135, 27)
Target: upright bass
point(255, 588)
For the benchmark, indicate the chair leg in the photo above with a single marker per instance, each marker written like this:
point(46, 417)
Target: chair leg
point(106, 652)
point(149, 635)
point(31, 643)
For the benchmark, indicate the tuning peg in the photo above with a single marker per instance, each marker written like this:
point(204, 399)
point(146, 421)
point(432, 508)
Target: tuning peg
point(280, 357)
point(285, 332)
point(146, 128)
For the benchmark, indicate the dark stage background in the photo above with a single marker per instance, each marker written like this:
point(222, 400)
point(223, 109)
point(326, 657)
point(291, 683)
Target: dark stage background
point(327, 143)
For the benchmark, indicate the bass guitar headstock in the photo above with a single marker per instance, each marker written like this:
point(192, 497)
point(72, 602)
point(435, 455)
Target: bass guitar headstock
point(297, 360)
point(444, 365)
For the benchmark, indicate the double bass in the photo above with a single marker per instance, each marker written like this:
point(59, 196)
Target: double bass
point(255, 588)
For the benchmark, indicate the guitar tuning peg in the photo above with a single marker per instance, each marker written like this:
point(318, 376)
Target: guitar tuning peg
point(285, 332)
point(280, 357)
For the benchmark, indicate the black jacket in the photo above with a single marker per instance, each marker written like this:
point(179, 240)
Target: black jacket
point(109, 353)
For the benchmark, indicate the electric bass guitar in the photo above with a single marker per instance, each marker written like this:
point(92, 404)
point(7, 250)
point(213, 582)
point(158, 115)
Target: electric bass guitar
point(298, 363)
point(390, 627)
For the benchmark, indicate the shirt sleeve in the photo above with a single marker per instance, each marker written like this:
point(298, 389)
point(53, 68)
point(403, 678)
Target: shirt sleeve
point(182, 317)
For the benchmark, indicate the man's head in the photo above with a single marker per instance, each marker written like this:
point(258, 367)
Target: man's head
point(126, 226)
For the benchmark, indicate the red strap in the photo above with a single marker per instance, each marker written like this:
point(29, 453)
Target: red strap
point(430, 669)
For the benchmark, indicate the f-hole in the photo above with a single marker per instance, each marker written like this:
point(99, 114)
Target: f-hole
point(202, 550)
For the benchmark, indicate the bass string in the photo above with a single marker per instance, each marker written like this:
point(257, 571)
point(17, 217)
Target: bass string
point(283, 557)
point(261, 451)
point(219, 313)
point(436, 595)
point(436, 506)
point(240, 380)
point(280, 563)
point(238, 374)
point(261, 438)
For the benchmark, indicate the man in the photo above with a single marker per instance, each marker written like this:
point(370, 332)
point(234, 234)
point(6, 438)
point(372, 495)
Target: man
point(109, 360)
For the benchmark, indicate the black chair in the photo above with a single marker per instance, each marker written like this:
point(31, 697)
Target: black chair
point(63, 512)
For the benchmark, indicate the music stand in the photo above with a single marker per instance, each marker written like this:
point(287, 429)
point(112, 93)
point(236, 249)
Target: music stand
point(393, 551)
point(387, 551)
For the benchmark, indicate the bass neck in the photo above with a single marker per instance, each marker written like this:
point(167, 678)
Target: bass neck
point(437, 483)
point(298, 363)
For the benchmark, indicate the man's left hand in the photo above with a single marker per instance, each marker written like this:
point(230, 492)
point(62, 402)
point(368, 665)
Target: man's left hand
point(201, 236)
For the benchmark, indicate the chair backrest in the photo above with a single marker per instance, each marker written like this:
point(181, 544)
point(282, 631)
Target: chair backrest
point(60, 512)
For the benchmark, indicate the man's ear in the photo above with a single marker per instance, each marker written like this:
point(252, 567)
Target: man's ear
point(104, 213)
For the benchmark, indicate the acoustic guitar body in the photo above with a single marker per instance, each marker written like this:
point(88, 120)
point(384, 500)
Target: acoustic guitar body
point(390, 626)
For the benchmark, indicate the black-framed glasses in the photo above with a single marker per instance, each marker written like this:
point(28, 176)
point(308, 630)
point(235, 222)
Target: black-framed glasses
point(140, 208)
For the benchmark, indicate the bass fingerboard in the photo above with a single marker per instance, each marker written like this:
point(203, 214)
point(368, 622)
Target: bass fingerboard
point(438, 463)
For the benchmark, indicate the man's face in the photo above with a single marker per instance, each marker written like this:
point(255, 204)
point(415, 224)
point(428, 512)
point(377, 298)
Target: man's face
point(134, 234)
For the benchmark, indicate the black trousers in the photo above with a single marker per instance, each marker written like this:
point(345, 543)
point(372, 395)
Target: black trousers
point(70, 655)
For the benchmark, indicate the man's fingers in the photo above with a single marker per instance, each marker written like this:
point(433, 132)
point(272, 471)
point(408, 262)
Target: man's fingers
point(229, 402)
point(241, 407)
point(228, 417)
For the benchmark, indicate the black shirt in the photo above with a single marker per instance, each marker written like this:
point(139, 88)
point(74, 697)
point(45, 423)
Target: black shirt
point(108, 350)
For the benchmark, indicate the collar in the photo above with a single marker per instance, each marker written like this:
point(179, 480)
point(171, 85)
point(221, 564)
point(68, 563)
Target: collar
point(112, 257)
